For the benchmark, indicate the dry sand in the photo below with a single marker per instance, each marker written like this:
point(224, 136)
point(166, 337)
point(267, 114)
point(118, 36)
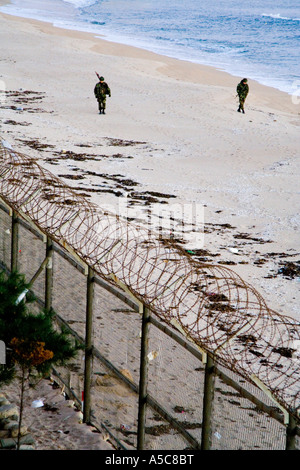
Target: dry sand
point(171, 128)
point(53, 422)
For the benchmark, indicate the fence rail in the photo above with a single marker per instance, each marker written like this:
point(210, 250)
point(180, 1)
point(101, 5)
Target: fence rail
point(209, 311)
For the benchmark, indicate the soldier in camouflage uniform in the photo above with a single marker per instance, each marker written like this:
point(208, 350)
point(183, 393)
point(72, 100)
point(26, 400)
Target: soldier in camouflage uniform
point(242, 91)
point(101, 90)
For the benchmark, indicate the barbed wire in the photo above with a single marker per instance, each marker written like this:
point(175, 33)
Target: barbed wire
point(211, 305)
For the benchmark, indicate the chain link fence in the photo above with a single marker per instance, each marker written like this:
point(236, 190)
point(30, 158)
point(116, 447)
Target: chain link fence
point(176, 372)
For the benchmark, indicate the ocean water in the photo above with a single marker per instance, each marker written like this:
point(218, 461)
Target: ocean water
point(257, 39)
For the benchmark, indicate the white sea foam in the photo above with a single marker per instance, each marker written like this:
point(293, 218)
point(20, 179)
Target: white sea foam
point(81, 3)
point(245, 41)
point(277, 16)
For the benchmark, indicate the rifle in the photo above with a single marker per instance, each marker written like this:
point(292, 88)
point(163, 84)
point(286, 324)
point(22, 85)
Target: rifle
point(97, 75)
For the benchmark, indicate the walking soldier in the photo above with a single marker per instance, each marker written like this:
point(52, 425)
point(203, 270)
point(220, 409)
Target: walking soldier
point(101, 90)
point(242, 91)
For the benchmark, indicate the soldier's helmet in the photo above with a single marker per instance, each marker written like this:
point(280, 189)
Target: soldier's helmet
point(101, 79)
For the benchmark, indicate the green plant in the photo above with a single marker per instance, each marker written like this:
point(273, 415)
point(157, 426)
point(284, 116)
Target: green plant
point(34, 345)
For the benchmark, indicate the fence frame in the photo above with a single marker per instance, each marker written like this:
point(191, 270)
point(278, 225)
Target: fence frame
point(211, 366)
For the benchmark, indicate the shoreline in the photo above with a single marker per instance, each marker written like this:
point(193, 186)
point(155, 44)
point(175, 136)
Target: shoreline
point(210, 72)
point(173, 68)
point(171, 128)
point(122, 42)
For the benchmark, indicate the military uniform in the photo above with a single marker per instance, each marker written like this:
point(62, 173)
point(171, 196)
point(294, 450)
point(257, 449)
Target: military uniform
point(242, 91)
point(101, 90)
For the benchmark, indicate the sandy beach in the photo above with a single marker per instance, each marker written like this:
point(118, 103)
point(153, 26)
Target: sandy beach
point(170, 135)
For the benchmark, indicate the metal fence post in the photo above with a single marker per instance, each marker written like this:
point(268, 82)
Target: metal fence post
point(143, 379)
point(207, 404)
point(14, 241)
point(291, 434)
point(88, 346)
point(49, 275)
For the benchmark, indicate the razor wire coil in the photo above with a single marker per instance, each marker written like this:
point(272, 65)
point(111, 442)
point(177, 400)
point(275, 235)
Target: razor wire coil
point(212, 305)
